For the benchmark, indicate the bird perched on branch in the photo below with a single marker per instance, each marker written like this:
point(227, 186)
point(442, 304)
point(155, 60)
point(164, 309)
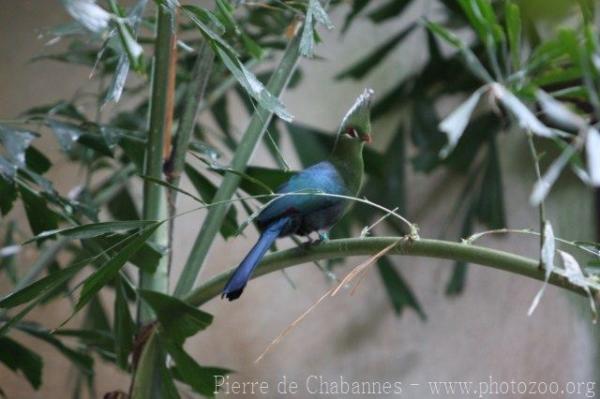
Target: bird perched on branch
point(340, 175)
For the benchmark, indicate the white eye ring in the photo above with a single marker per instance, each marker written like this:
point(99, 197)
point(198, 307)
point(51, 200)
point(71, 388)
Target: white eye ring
point(352, 132)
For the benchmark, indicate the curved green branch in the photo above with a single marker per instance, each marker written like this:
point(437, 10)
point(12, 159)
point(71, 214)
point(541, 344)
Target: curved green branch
point(405, 246)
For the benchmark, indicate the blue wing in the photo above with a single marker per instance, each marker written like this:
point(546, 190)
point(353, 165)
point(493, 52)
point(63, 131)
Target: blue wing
point(322, 177)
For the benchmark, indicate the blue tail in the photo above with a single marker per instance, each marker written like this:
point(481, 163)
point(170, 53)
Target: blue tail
point(234, 287)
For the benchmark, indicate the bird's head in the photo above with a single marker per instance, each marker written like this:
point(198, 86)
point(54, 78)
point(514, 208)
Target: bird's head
point(356, 125)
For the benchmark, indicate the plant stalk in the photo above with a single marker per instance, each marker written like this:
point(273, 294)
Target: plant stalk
point(369, 246)
point(194, 94)
point(155, 201)
point(258, 124)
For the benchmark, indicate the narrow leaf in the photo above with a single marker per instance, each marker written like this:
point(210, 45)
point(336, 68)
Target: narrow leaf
point(18, 358)
point(397, 289)
point(202, 379)
point(525, 118)
point(543, 186)
point(455, 124)
point(93, 229)
point(559, 113)
point(111, 268)
point(547, 260)
point(253, 86)
point(178, 320)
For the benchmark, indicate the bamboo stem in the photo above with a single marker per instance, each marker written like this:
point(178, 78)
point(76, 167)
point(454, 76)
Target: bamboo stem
point(155, 202)
point(258, 124)
point(405, 246)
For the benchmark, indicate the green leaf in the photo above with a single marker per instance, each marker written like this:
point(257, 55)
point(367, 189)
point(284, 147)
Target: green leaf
point(124, 326)
point(399, 292)
point(202, 379)
point(224, 14)
point(59, 108)
point(172, 187)
point(122, 206)
point(93, 230)
point(99, 340)
point(389, 10)
point(81, 360)
point(18, 358)
point(376, 56)
point(207, 191)
point(8, 195)
point(456, 284)
point(272, 178)
point(40, 217)
point(513, 28)
point(470, 59)
point(177, 319)
point(252, 85)
point(36, 161)
point(110, 269)
point(132, 48)
point(202, 18)
point(146, 258)
point(425, 135)
point(357, 7)
point(149, 376)
point(39, 288)
point(490, 205)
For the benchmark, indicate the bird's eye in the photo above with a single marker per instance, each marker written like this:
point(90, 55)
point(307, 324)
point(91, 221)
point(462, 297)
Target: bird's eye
point(352, 132)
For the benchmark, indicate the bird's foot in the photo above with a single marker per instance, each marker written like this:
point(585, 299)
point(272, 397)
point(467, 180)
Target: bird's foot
point(323, 236)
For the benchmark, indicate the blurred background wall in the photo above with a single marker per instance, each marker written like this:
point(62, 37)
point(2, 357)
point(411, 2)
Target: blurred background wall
point(481, 334)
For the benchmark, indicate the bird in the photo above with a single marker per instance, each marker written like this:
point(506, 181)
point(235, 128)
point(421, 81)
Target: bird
point(340, 175)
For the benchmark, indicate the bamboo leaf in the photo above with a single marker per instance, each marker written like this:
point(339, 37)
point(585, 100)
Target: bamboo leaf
point(455, 124)
point(40, 217)
point(469, 57)
point(314, 12)
point(389, 10)
point(124, 326)
point(558, 112)
point(109, 270)
point(91, 16)
point(543, 186)
point(253, 86)
point(18, 358)
point(81, 360)
point(93, 230)
point(15, 142)
point(177, 319)
point(202, 379)
point(513, 28)
point(526, 119)
point(207, 191)
point(8, 190)
point(38, 288)
point(575, 275)
point(397, 289)
point(547, 260)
